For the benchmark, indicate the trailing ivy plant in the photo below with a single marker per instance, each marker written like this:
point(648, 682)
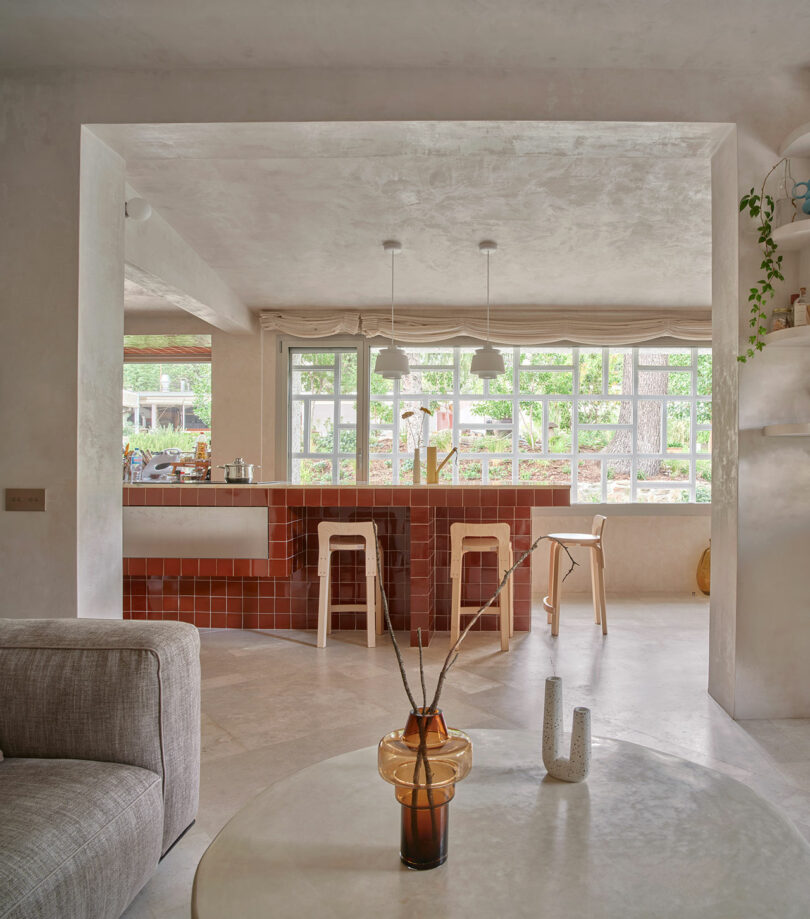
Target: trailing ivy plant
point(761, 208)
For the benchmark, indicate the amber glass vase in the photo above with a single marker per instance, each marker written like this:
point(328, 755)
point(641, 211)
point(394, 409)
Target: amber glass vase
point(424, 761)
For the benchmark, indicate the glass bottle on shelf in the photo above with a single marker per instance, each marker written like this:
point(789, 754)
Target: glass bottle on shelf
point(800, 315)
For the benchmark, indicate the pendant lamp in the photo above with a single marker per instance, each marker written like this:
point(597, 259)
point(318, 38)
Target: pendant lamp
point(487, 362)
point(392, 362)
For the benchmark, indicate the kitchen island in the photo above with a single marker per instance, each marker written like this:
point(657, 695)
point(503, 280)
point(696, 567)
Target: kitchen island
point(180, 561)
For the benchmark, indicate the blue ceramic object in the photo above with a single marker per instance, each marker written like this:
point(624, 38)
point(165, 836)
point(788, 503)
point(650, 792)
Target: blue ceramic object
point(801, 192)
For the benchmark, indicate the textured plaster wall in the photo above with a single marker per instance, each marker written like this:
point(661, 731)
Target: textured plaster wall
point(99, 362)
point(236, 416)
point(39, 352)
point(653, 554)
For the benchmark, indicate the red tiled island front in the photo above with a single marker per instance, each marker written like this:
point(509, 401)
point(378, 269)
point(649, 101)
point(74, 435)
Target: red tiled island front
point(279, 590)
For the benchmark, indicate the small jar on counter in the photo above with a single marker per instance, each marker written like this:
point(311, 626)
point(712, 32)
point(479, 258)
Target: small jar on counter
point(781, 318)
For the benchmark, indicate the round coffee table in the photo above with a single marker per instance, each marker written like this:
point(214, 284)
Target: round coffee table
point(647, 835)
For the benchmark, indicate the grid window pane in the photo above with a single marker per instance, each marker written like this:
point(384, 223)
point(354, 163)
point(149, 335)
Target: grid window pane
point(323, 426)
point(619, 424)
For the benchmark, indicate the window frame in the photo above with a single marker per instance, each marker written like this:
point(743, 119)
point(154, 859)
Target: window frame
point(574, 456)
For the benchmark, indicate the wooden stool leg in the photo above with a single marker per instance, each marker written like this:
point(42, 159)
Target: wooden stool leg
point(371, 615)
point(594, 560)
point(602, 598)
point(503, 599)
point(555, 620)
point(455, 610)
point(549, 613)
point(323, 603)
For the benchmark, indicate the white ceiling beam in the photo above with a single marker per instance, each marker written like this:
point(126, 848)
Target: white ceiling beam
point(164, 264)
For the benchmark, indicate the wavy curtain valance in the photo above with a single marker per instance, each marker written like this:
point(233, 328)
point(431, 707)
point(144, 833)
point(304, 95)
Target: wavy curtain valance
point(517, 327)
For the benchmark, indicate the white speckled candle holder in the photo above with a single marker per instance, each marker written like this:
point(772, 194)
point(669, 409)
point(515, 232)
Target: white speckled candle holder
point(576, 767)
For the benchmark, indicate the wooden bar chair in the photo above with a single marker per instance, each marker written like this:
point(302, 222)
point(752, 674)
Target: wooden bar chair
point(481, 537)
point(354, 537)
point(593, 542)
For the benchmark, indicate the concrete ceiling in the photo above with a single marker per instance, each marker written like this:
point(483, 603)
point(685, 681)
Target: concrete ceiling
point(480, 34)
point(293, 215)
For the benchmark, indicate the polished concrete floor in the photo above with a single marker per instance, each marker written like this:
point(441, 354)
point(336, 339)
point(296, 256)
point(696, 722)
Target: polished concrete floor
point(273, 703)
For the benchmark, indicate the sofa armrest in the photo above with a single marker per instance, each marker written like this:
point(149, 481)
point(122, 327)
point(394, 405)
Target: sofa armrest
point(107, 690)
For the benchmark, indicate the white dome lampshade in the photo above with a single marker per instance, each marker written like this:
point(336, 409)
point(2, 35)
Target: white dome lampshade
point(487, 363)
point(392, 362)
point(137, 209)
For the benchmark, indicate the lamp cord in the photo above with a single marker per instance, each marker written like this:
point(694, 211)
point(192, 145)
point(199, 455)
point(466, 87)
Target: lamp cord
point(488, 254)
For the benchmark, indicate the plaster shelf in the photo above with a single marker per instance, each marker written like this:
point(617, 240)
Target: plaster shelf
point(793, 236)
point(798, 337)
point(786, 430)
point(797, 143)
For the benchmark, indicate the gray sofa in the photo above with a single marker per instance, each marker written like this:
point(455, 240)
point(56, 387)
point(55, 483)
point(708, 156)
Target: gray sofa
point(100, 735)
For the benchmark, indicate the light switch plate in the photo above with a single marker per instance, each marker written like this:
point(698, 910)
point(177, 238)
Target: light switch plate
point(25, 499)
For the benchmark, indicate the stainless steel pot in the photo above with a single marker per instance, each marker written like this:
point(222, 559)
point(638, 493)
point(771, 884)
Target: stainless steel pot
point(239, 472)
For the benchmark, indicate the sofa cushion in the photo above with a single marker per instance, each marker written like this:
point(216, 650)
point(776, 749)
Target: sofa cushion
point(107, 690)
point(78, 838)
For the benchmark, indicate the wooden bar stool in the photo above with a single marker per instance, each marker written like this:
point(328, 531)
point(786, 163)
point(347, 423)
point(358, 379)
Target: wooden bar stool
point(481, 537)
point(337, 537)
point(592, 541)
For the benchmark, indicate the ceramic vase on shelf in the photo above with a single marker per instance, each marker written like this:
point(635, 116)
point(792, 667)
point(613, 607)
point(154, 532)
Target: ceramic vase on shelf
point(417, 466)
point(577, 765)
point(423, 762)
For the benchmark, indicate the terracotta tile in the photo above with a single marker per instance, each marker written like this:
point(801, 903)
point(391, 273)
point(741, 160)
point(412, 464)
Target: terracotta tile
point(208, 567)
point(383, 497)
point(420, 515)
point(347, 497)
point(401, 497)
point(250, 621)
point(219, 587)
point(224, 497)
point(186, 616)
point(189, 567)
point(153, 496)
point(295, 497)
point(206, 496)
point(186, 604)
point(137, 495)
point(259, 568)
point(542, 497)
point(242, 567)
point(171, 566)
point(187, 586)
point(154, 566)
point(489, 496)
point(282, 621)
point(171, 497)
point(137, 566)
point(219, 620)
point(258, 497)
point(241, 497)
point(419, 497)
point(188, 497)
point(277, 497)
point(562, 497)
point(224, 567)
point(471, 497)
